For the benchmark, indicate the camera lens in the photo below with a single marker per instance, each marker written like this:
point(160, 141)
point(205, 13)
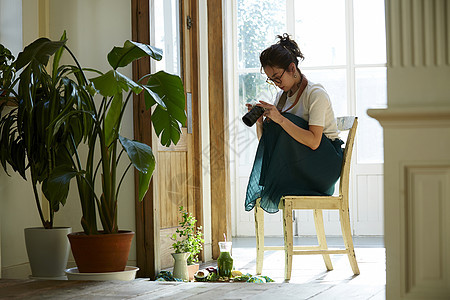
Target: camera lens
point(253, 115)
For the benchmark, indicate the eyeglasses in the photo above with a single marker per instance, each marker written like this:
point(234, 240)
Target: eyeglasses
point(276, 80)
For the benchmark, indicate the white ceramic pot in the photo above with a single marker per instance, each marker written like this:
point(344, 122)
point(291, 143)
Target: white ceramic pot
point(48, 251)
point(128, 274)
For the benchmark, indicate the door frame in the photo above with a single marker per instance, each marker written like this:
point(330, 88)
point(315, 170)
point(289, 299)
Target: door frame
point(147, 211)
point(218, 162)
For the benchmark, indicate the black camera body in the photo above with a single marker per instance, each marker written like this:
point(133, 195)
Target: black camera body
point(253, 115)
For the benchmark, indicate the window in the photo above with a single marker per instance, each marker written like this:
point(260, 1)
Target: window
point(344, 46)
point(167, 35)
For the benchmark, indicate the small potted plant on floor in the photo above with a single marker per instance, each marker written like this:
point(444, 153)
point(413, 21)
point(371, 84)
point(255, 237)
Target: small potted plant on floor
point(188, 242)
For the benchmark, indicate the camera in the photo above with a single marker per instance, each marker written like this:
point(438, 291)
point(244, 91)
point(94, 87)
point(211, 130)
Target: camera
point(253, 115)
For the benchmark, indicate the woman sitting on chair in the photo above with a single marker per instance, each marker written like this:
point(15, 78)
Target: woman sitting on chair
point(299, 151)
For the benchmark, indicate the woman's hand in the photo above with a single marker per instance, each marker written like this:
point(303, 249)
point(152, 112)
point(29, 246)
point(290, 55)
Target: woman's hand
point(249, 107)
point(271, 112)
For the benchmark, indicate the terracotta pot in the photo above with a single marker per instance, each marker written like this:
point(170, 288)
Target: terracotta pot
point(102, 252)
point(192, 269)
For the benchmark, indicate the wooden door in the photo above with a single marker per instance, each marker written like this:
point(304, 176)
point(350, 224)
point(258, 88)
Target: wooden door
point(176, 179)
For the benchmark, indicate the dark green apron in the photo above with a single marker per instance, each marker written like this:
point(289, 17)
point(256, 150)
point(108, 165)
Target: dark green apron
point(284, 167)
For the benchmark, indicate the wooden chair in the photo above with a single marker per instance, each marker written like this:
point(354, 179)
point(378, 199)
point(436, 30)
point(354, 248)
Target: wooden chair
point(317, 204)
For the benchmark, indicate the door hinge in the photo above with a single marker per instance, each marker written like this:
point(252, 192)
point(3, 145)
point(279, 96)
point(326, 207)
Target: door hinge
point(189, 22)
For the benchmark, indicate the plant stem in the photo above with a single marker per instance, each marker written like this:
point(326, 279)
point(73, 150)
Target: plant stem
point(38, 204)
point(121, 179)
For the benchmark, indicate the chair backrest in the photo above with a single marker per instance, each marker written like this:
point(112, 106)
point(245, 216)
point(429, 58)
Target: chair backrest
point(349, 123)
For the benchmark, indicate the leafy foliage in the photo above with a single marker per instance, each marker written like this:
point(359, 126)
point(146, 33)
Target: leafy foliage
point(191, 238)
point(30, 140)
point(56, 112)
point(7, 70)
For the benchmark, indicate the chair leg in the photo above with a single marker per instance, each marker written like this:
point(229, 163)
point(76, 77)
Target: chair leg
point(320, 230)
point(288, 238)
point(259, 231)
point(348, 241)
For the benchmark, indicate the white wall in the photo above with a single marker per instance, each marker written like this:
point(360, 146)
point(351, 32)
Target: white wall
point(93, 28)
point(17, 208)
point(11, 24)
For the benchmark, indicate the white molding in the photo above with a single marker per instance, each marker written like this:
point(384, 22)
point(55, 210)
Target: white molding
point(23, 270)
point(425, 210)
point(418, 33)
point(437, 116)
point(231, 93)
point(19, 271)
point(204, 124)
point(418, 240)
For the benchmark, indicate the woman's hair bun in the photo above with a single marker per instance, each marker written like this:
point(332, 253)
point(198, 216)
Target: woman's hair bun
point(281, 54)
point(290, 45)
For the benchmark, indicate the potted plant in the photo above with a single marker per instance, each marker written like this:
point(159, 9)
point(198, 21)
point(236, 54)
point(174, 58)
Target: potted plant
point(104, 99)
point(30, 140)
point(188, 242)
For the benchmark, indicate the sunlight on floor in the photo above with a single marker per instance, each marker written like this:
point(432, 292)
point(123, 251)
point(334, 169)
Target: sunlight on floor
point(311, 268)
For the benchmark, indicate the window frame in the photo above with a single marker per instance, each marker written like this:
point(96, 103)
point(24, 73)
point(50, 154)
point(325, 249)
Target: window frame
point(350, 67)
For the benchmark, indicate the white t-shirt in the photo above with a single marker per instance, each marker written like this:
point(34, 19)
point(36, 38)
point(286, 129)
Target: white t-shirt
point(314, 106)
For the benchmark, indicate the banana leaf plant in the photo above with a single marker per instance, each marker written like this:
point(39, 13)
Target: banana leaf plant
point(102, 107)
point(30, 143)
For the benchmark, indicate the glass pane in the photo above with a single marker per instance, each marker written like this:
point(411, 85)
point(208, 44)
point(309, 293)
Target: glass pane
point(335, 83)
point(320, 31)
point(259, 22)
point(370, 93)
point(167, 35)
point(252, 88)
point(370, 35)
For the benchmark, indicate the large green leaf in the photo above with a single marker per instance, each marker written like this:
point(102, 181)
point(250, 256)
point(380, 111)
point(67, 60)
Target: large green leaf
point(39, 51)
point(166, 127)
point(112, 83)
point(166, 88)
point(151, 98)
point(112, 119)
point(168, 92)
point(18, 157)
point(141, 156)
point(56, 186)
point(58, 55)
point(122, 56)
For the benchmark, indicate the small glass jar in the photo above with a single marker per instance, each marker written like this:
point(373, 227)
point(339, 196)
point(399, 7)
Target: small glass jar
point(225, 261)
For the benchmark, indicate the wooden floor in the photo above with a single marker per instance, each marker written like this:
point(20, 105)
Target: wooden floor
point(310, 280)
